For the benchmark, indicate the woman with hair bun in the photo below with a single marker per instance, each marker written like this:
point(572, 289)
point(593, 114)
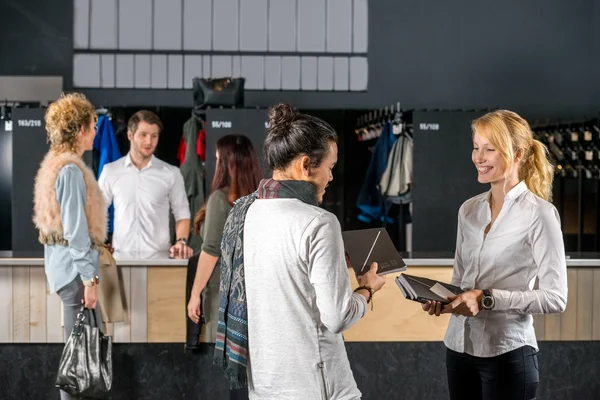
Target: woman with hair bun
point(285, 295)
point(508, 238)
point(69, 210)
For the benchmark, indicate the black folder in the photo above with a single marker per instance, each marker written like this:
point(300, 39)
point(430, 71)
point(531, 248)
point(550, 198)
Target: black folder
point(421, 289)
point(365, 246)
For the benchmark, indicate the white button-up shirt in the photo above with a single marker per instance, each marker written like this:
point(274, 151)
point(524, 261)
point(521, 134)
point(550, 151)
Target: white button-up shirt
point(524, 243)
point(142, 200)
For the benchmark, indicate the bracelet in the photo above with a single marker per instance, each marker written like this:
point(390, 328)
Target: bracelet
point(371, 293)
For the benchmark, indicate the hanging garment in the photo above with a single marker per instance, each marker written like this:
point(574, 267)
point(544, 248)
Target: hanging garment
point(181, 151)
point(106, 143)
point(107, 150)
point(370, 201)
point(396, 180)
point(192, 170)
point(395, 187)
point(200, 148)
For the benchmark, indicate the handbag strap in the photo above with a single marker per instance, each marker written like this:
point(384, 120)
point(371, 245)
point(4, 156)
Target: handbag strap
point(92, 312)
point(80, 320)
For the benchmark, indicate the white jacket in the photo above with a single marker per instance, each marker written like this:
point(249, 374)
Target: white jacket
point(397, 177)
point(299, 301)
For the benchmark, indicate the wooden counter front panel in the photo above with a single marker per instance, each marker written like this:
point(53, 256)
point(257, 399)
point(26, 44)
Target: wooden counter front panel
point(166, 304)
point(28, 312)
point(157, 310)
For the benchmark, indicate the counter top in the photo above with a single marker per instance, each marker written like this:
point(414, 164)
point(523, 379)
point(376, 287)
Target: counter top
point(33, 258)
point(163, 259)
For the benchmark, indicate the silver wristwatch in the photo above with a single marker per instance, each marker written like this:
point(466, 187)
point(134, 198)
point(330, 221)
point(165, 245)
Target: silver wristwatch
point(487, 301)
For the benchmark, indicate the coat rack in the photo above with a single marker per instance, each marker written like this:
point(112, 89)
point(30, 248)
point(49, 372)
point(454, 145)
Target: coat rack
point(369, 125)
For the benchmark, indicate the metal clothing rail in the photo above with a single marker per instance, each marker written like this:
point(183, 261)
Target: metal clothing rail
point(369, 125)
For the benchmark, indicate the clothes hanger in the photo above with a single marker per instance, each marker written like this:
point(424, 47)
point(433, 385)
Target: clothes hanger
point(104, 111)
point(199, 113)
point(397, 123)
point(5, 111)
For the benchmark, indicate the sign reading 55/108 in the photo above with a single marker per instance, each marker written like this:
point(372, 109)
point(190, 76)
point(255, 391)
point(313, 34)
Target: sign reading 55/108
point(429, 127)
point(221, 124)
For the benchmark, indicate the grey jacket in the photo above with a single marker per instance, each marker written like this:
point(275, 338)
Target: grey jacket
point(192, 170)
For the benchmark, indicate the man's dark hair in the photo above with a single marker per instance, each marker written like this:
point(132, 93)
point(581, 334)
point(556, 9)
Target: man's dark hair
point(143, 116)
point(291, 134)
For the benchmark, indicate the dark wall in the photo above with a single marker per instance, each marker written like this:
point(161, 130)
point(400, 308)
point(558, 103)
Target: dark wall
point(596, 52)
point(5, 187)
point(536, 57)
point(28, 150)
point(443, 177)
point(37, 38)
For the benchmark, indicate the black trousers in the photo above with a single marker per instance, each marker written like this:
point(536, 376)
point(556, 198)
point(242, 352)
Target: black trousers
point(193, 330)
point(513, 375)
point(238, 394)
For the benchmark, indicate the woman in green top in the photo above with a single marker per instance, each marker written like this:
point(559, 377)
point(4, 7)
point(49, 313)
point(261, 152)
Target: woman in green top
point(237, 174)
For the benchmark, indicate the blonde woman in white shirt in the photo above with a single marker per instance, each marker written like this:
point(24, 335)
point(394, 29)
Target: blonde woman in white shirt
point(507, 238)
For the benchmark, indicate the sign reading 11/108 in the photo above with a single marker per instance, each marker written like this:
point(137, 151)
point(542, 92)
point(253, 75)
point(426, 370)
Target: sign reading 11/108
point(221, 124)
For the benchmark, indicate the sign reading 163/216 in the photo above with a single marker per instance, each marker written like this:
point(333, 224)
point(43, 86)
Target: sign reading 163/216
point(29, 123)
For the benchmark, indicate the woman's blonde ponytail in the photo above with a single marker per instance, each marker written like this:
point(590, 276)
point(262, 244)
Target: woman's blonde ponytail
point(537, 171)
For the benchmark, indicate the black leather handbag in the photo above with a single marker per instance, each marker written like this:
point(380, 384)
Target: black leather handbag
point(85, 368)
point(218, 92)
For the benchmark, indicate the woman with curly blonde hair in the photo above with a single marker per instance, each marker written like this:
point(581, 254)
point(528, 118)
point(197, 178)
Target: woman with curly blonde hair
point(508, 238)
point(69, 209)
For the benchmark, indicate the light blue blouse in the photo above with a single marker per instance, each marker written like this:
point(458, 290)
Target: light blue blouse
point(65, 263)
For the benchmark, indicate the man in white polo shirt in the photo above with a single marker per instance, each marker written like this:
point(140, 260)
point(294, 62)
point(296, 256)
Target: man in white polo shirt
point(143, 190)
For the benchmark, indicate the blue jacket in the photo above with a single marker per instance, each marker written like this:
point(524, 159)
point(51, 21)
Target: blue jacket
point(108, 147)
point(370, 200)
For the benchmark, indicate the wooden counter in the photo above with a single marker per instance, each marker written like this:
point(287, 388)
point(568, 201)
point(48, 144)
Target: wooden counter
point(396, 319)
point(155, 291)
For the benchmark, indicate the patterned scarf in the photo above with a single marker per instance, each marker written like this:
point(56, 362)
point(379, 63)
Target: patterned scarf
point(231, 347)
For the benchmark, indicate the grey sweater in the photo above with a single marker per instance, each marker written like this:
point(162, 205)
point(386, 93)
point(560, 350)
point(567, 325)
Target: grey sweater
point(299, 301)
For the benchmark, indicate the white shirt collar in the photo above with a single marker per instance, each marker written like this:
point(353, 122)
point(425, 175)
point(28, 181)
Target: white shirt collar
point(512, 194)
point(129, 163)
